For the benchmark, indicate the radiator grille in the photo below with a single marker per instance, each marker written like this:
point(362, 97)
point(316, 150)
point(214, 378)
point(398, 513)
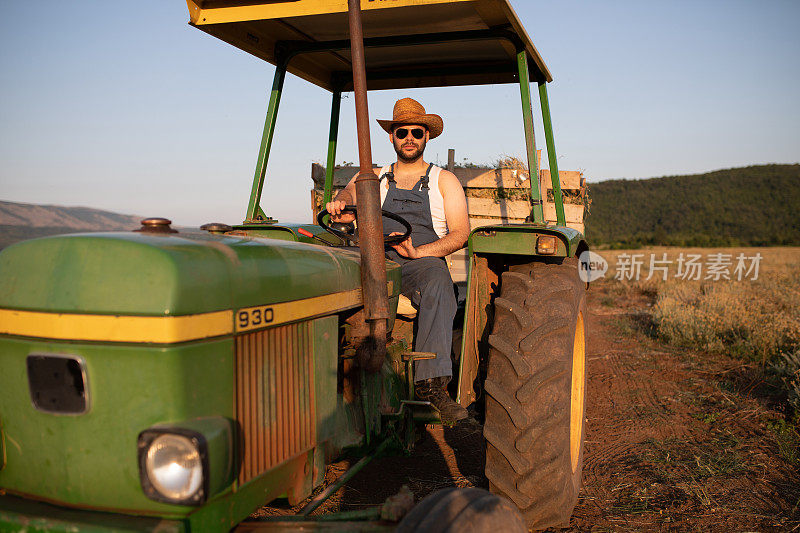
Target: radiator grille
point(274, 396)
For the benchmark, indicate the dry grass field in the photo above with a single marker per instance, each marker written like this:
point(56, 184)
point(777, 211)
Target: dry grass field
point(694, 389)
point(718, 302)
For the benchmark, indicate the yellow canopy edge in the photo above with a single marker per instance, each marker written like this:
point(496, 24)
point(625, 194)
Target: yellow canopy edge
point(409, 43)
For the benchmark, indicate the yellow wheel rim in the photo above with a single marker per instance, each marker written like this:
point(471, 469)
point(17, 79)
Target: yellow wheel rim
point(578, 392)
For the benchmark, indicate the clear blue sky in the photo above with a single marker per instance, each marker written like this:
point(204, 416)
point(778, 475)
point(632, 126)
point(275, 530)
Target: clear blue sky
point(125, 107)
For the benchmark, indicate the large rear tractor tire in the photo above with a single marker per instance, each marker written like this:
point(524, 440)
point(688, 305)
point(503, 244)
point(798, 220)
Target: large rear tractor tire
point(535, 388)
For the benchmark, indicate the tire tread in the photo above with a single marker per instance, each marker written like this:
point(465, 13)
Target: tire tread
point(528, 410)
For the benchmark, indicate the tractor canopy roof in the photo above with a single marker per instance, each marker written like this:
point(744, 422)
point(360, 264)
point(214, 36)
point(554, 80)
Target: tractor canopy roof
point(409, 43)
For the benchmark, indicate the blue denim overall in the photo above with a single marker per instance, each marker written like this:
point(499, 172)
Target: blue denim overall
point(425, 281)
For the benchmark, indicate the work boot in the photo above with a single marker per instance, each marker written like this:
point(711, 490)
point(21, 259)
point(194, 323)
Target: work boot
point(434, 390)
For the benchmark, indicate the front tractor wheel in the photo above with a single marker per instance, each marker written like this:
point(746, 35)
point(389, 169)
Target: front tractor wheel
point(535, 387)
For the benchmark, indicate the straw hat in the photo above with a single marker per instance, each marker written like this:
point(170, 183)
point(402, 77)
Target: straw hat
point(409, 111)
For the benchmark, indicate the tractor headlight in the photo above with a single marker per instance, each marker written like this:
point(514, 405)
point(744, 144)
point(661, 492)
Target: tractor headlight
point(173, 466)
point(546, 245)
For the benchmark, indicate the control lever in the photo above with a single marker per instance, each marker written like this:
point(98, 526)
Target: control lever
point(310, 235)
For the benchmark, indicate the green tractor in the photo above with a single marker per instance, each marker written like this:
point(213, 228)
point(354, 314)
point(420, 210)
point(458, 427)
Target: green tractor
point(179, 380)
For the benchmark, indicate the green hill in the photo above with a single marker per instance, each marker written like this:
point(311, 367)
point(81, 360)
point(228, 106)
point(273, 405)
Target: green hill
point(750, 206)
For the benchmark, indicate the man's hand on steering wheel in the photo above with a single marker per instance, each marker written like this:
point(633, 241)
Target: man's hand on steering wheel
point(335, 209)
point(345, 230)
point(405, 248)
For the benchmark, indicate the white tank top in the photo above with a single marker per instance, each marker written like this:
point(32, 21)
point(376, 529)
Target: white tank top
point(434, 196)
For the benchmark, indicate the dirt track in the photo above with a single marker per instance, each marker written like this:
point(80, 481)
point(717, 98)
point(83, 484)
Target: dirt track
point(676, 441)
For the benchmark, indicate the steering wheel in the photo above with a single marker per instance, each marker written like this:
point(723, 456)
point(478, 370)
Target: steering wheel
point(346, 230)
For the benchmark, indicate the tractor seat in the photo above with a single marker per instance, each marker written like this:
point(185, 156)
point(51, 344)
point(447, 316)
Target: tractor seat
point(405, 308)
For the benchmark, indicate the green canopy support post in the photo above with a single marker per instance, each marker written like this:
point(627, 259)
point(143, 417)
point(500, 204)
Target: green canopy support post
point(333, 136)
point(551, 154)
point(254, 213)
point(537, 214)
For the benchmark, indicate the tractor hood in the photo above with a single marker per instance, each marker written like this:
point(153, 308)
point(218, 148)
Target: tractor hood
point(170, 275)
point(106, 335)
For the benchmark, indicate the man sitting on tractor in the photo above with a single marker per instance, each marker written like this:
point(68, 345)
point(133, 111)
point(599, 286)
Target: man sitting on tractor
point(432, 200)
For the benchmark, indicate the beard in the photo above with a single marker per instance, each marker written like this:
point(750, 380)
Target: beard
point(411, 157)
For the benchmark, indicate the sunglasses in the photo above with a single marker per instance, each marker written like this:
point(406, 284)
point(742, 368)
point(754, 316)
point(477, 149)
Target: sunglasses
point(402, 133)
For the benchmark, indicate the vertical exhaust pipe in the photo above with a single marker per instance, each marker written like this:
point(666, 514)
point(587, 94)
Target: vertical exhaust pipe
point(370, 223)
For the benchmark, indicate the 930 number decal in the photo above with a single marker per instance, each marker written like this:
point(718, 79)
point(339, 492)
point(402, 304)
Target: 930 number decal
point(254, 317)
